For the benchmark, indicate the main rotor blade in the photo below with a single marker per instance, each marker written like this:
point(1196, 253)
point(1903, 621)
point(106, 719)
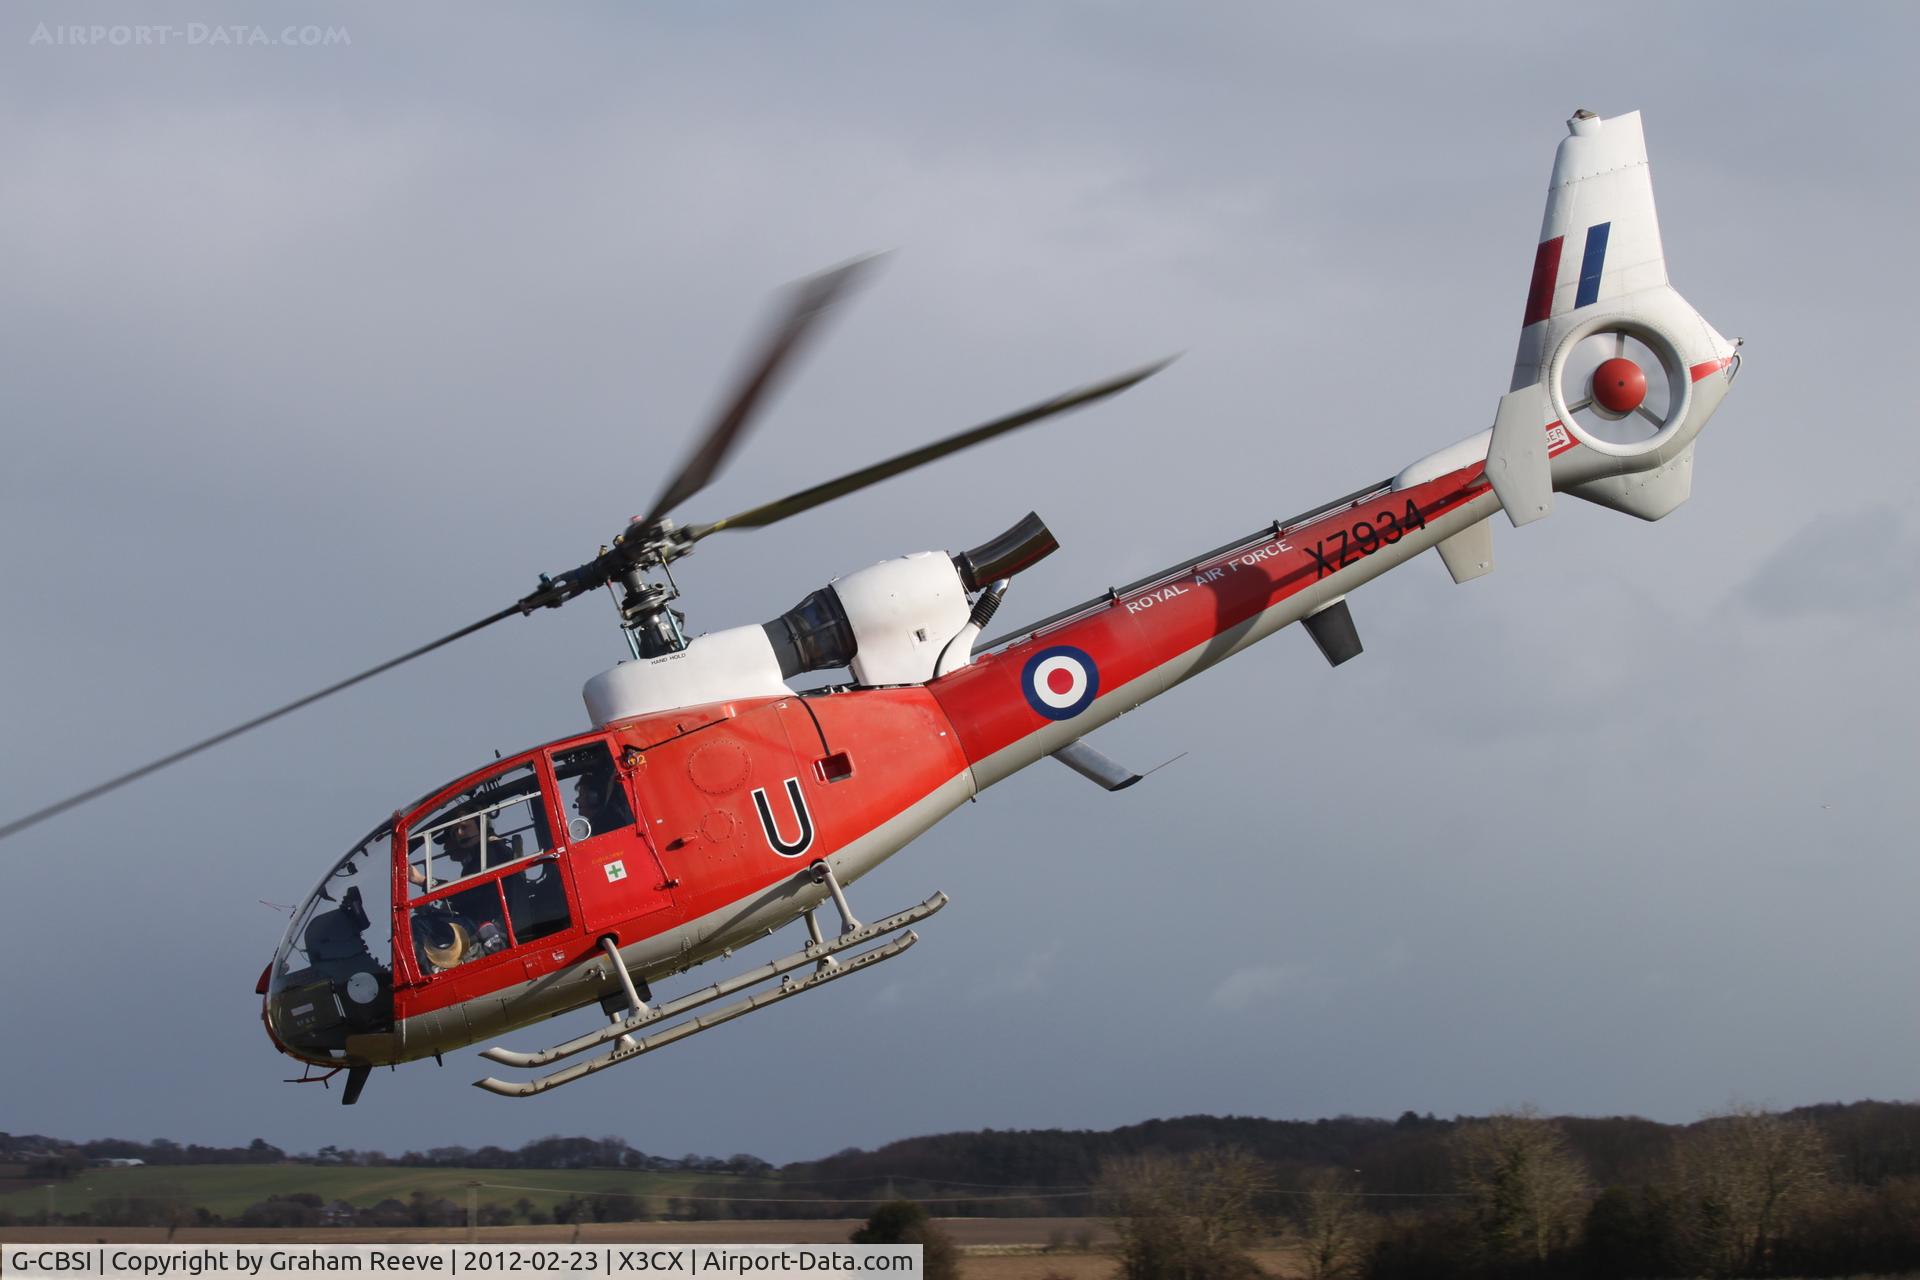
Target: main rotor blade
point(806, 499)
point(811, 298)
point(112, 784)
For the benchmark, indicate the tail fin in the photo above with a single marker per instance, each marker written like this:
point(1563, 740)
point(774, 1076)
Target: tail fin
point(1615, 369)
point(1600, 238)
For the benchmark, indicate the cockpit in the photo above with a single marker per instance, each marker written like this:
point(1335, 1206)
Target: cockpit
point(480, 872)
point(332, 977)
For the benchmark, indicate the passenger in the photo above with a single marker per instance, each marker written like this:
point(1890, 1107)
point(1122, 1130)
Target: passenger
point(461, 843)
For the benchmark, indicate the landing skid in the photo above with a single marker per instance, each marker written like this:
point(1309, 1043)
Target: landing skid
point(824, 955)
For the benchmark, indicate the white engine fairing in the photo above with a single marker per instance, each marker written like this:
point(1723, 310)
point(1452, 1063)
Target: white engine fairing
point(735, 663)
point(902, 612)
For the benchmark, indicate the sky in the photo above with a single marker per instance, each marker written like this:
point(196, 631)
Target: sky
point(310, 353)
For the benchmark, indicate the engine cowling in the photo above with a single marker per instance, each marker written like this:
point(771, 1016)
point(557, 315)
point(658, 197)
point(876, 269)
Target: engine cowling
point(892, 621)
point(717, 667)
point(889, 621)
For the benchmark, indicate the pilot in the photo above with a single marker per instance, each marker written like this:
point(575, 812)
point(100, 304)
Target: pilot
point(600, 798)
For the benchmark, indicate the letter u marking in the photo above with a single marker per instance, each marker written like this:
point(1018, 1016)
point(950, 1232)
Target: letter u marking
point(800, 843)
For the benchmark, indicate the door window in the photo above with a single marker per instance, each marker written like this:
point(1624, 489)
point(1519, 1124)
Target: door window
point(536, 901)
point(460, 928)
point(593, 797)
point(481, 873)
point(496, 821)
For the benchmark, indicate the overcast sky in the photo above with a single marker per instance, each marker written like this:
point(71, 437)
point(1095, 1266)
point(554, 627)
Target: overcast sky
point(309, 354)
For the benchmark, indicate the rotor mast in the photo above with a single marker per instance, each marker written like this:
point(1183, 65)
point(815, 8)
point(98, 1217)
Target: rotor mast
point(652, 626)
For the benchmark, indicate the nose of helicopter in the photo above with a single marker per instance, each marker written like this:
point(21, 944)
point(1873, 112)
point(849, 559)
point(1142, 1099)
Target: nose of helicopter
point(264, 989)
point(327, 994)
point(335, 1013)
point(266, 1009)
point(369, 1051)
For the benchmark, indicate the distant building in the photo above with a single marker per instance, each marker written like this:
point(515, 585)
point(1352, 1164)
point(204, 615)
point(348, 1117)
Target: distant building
point(115, 1162)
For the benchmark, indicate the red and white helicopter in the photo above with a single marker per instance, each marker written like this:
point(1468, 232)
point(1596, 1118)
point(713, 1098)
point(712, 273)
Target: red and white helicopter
point(711, 803)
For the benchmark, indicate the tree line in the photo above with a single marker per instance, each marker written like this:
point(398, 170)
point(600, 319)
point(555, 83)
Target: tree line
point(1411, 1156)
point(1746, 1192)
point(1832, 1189)
point(42, 1157)
point(1870, 1142)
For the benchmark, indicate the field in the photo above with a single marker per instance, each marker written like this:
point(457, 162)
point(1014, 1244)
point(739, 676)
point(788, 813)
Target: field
point(992, 1248)
point(228, 1189)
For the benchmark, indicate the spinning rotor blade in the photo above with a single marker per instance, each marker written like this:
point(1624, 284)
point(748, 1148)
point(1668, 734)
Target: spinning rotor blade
point(811, 298)
point(769, 513)
point(154, 766)
point(649, 540)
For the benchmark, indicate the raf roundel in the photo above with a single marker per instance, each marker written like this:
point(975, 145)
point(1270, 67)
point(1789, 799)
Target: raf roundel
point(1060, 681)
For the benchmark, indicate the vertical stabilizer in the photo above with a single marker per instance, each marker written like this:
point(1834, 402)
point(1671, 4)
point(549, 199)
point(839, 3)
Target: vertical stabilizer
point(1600, 237)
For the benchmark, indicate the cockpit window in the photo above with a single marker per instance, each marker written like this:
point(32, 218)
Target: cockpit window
point(500, 819)
point(332, 976)
point(592, 796)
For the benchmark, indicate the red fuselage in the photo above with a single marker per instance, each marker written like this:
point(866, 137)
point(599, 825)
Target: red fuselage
point(734, 801)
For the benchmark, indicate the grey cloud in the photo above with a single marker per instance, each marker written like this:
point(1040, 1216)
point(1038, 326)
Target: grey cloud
point(307, 359)
point(1854, 563)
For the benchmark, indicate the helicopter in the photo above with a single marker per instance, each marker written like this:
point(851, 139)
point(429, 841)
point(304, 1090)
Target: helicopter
point(712, 802)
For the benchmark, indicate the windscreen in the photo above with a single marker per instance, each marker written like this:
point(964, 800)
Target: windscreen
point(333, 974)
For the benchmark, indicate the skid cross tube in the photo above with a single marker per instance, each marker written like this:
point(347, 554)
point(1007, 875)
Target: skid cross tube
point(632, 1048)
point(693, 1000)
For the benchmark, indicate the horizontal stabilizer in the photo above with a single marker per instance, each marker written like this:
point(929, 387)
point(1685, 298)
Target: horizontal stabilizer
point(1090, 764)
point(1332, 629)
point(1469, 553)
point(1517, 463)
point(1647, 494)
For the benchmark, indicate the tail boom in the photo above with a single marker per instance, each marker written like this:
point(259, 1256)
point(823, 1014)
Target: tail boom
point(1135, 644)
point(1600, 271)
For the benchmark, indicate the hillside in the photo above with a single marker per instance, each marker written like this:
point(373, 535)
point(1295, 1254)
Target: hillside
point(1012, 1173)
point(1873, 1141)
point(227, 1190)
